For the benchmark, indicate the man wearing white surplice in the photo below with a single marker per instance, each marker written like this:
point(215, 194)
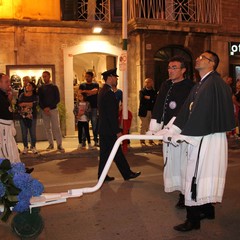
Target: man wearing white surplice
point(204, 119)
point(171, 96)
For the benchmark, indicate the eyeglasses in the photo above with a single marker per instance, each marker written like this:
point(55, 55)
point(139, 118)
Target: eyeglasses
point(201, 57)
point(173, 68)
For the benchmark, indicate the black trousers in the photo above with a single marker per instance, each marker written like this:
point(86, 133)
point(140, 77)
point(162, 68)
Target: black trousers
point(106, 145)
point(194, 212)
point(81, 126)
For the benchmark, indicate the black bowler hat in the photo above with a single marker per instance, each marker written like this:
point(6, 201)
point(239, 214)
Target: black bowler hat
point(111, 72)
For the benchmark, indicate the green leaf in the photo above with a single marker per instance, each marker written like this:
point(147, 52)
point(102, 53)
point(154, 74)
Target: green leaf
point(5, 215)
point(5, 165)
point(12, 190)
point(5, 177)
point(12, 198)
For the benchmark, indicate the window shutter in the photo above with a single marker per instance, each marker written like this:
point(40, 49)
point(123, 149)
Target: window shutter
point(116, 11)
point(69, 10)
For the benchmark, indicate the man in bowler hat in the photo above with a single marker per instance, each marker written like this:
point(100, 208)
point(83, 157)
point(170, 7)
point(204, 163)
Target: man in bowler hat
point(109, 129)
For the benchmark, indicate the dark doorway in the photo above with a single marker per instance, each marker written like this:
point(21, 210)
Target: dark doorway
point(161, 62)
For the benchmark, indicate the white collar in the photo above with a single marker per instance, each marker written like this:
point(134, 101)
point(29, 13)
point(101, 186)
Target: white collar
point(205, 76)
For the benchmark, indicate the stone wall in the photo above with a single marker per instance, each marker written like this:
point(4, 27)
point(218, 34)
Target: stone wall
point(41, 45)
point(25, 9)
point(230, 17)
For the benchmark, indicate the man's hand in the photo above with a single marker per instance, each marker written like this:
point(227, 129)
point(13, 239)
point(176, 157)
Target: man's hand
point(173, 130)
point(46, 110)
point(162, 132)
point(154, 127)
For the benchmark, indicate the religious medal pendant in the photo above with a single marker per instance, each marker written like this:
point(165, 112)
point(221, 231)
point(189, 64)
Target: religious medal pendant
point(190, 106)
point(10, 109)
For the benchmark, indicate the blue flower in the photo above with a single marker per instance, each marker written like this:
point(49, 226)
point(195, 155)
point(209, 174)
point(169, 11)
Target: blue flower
point(17, 168)
point(24, 195)
point(22, 180)
point(1, 159)
point(22, 206)
point(17, 186)
point(37, 188)
point(2, 189)
point(23, 201)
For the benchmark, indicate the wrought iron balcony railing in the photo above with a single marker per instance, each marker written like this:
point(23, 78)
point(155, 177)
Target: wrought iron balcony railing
point(201, 11)
point(92, 10)
point(198, 11)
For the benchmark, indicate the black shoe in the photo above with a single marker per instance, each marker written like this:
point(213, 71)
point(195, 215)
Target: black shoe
point(207, 211)
point(206, 216)
point(108, 179)
point(187, 226)
point(132, 175)
point(181, 202)
point(29, 170)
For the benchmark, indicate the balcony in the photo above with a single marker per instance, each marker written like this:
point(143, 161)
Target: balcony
point(93, 10)
point(183, 15)
point(199, 11)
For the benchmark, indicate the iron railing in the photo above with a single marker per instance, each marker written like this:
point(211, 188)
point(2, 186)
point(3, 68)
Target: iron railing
point(200, 11)
point(89, 10)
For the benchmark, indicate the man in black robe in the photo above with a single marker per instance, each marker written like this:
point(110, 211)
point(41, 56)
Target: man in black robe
point(170, 98)
point(205, 117)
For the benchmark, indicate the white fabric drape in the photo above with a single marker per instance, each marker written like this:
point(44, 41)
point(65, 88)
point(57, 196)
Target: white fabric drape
point(8, 145)
point(211, 172)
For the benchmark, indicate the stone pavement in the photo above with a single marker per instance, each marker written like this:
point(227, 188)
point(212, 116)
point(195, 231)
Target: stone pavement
point(129, 210)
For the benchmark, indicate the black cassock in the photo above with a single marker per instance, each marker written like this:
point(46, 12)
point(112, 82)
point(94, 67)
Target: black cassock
point(170, 98)
point(208, 108)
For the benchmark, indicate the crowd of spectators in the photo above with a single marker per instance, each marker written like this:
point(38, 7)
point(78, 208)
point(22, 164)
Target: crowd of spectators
point(46, 97)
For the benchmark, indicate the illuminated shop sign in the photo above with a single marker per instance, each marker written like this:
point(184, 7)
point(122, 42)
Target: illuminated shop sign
point(234, 48)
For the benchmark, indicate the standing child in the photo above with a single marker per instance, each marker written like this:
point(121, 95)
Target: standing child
point(81, 111)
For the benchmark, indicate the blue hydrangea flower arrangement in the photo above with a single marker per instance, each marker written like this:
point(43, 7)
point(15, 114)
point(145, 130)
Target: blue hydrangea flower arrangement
point(16, 188)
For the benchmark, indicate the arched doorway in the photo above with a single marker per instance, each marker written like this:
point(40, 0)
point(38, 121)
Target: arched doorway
point(86, 47)
point(94, 62)
point(162, 57)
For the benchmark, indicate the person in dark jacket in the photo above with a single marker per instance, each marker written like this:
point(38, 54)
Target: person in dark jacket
point(109, 129)
point(91, 89)
point(49, 97)
point(147, 97)
point(8, 145)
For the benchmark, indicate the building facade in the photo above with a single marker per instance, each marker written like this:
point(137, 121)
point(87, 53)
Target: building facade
point(57, 35)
